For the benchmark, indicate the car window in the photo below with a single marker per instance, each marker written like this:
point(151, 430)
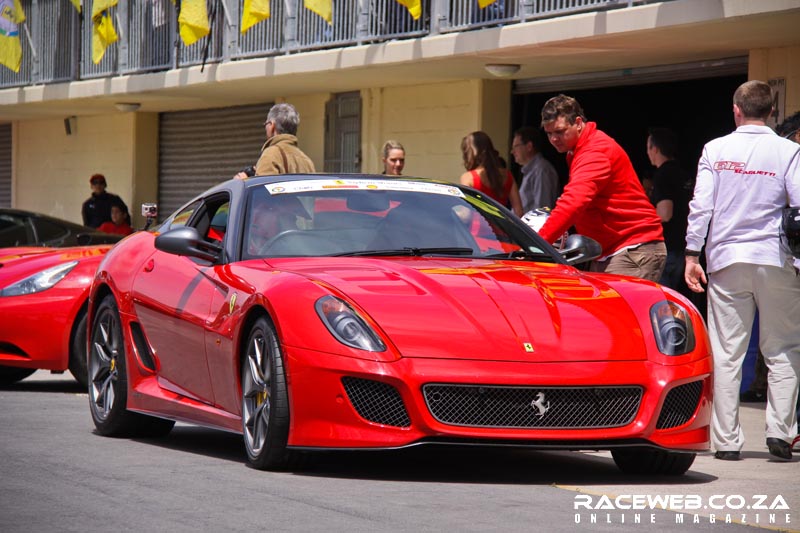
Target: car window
point(48, 232)
point(14, 231)
point(317, 219)
point(181, 218)
point(219, 223)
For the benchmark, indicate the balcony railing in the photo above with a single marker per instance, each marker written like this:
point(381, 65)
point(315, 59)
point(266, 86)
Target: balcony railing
point(57, 40)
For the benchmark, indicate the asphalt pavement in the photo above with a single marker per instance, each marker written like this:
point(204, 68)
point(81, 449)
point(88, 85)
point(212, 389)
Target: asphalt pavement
point(56, 474)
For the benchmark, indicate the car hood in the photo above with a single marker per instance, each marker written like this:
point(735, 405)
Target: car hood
point(22, 261)
point(498, 310)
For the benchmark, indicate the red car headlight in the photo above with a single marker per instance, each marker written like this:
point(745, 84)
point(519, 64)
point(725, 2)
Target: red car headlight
point(672, 328)
point(40, 281)
point(347, 325)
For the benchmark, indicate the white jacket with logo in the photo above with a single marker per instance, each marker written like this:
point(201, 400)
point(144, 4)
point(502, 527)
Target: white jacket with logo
point(744, 180)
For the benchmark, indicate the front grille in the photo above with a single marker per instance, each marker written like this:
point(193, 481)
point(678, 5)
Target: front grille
point(377, 402)
point(679, 405)
point(532, 407)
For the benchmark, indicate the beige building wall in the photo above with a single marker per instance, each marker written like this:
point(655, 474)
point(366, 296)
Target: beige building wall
point(430, 121)
point(766, 63)
point(144, 174)
point(311, 132)
point(52, 169)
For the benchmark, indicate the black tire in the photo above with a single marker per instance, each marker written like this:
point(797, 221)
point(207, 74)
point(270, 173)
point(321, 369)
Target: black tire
point(11, 374)
point(650, 461)
point(108, 381)
point(78, 365)
point(265, 400)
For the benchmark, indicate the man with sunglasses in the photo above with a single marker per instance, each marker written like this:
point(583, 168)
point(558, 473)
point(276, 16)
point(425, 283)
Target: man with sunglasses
point(280, 153)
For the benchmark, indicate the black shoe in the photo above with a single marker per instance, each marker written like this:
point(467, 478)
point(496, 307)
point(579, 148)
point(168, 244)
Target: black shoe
point(779, 448)
point(727, 456)
point(752, 396)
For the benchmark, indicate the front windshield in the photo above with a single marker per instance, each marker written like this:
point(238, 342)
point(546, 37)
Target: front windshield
point(358, 217)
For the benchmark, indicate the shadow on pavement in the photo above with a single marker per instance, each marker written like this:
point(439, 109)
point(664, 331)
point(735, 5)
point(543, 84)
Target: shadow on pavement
point(435, 464)
point(57, 384)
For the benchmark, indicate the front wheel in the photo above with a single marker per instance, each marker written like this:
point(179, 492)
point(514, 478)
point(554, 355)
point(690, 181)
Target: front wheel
point(265, 399)
point(108, 381)
point(77, 351)
point(650, 461)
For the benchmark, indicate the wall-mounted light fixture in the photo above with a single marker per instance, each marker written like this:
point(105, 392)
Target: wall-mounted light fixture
point(127, 107)
point(69, 124)
point(502, 70)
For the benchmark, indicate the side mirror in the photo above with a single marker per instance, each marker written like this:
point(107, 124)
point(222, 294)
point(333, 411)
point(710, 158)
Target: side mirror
point(186, 241)
point(580, 249)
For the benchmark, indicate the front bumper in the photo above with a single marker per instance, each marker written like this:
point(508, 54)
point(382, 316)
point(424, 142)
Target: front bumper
point(325, 413)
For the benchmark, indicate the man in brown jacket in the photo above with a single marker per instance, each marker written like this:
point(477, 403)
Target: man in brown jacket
point(280, 154)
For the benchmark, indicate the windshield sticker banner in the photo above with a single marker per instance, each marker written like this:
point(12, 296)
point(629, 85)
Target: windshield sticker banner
point(363, 185)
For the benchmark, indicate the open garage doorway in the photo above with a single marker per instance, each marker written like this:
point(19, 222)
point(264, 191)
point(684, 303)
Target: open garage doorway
point(698, 110)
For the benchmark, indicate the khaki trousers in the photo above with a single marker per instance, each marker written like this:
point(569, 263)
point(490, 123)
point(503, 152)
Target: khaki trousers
point(734, 293)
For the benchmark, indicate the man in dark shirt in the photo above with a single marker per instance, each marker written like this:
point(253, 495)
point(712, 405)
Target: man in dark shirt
point(97, 209)
point(671, 191)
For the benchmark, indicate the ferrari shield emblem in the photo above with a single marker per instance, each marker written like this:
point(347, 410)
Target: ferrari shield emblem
point(528, 347)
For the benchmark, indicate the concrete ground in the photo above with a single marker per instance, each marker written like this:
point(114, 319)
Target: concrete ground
point(738, 488)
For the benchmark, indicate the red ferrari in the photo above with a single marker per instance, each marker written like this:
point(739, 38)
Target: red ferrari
point(359, 312)
point(43, 295)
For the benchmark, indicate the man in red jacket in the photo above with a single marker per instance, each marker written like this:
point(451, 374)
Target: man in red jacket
point(603, 199)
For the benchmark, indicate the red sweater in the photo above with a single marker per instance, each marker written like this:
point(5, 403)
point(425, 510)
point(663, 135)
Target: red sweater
point(110, 227)
point(604, 199)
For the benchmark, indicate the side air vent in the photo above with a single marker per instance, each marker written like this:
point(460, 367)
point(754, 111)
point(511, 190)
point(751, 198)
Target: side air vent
point(377, 402)
point(142, 347)
point(680, 405)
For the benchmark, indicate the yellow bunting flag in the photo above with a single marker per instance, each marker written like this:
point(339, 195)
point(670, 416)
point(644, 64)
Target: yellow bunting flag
point(11, 16)
point(193, 21)
point(103, 34)
point(323, 8)
point(414, 7)
point(98, 6)
point(254, 11)
point(484, 3)
point(77, 4)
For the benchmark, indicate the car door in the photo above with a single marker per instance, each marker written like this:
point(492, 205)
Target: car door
point(172, 296)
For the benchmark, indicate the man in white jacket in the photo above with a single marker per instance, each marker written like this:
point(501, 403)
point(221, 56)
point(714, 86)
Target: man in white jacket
point(744, 180)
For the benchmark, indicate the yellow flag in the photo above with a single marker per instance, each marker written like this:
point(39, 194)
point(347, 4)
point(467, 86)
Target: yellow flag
point(415, 7)
point(254, 11)
point(11, 16)
point(194, 21)
point(323, 8)
point(484, 3)
point(103, 34)
point(98, 6)
point(77, 4)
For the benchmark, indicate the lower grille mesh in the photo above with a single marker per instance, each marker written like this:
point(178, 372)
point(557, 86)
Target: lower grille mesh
point(377, 402)
point(532, 407)
point(679, 405)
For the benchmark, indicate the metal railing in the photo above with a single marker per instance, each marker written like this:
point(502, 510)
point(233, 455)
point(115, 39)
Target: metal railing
point(57, 41)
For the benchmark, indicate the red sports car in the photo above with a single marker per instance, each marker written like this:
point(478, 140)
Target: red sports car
point(43, 295)
point(360, 312)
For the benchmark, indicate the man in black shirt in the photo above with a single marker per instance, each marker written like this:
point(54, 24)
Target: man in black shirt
point(672, 188)
point(97, 209)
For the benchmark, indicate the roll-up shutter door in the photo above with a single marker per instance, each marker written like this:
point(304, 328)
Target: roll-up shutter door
point(5, 165)
point(633, 76)
point(201, 148)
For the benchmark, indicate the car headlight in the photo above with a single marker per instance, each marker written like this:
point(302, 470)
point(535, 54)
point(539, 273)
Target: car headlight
point(40, 281)
point(672, 328)
point(347, 326)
